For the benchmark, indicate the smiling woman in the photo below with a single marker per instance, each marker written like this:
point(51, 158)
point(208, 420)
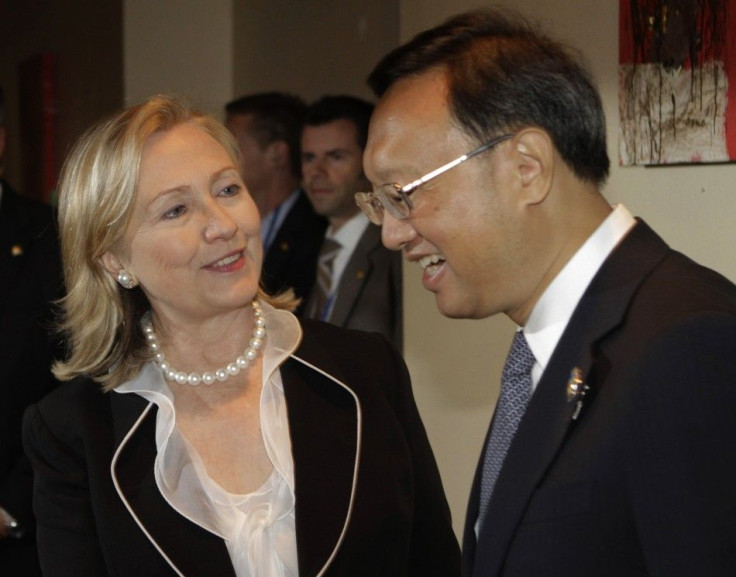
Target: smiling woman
point(203, 422)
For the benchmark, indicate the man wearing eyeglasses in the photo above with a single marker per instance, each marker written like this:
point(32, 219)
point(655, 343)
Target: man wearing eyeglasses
point(612, 451)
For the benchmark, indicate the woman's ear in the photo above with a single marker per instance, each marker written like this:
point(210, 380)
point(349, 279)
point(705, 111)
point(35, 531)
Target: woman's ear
point(113, 265)
point(535, 161)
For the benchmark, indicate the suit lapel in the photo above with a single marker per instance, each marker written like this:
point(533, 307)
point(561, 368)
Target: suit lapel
point(324, 422)
point(551, 413)
point(174, 536)
point(356, 275)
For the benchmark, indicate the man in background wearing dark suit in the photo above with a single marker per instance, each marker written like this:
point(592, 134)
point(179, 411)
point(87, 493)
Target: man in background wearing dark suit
point(267, 127)
point(30, 279)
point(360, 282)
point(612, 451)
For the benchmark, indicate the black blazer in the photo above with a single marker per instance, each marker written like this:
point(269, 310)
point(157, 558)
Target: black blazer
point(291, 260)
point(369, 500)
point(638, 477)
point(30, 279)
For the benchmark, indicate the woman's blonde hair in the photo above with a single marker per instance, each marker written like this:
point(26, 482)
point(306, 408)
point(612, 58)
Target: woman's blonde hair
point(97, 192)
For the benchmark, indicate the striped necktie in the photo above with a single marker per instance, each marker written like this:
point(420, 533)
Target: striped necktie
point(327, 254)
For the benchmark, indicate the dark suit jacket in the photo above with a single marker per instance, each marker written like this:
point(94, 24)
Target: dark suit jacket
point(367, 487)
point(291, 261)
point(30, 278)
point(369, 294)
point(643, 481)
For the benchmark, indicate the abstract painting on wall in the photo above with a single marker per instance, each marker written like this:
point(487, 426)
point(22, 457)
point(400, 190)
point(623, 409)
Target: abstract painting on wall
point(677, 81)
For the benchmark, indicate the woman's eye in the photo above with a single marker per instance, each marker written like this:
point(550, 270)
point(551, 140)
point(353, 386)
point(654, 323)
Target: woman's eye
point(175, 212)
point(231, 190)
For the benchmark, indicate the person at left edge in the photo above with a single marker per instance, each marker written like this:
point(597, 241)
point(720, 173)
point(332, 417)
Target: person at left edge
point(30, 281)
point(302, 454)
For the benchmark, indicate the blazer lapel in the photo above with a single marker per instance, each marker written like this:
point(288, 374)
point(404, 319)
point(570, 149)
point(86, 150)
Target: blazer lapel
point(355, 276)
point(324, 422)
point(551, 412)
point(174, 536)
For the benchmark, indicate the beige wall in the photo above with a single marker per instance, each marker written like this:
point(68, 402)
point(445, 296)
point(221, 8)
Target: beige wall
point(182, 47)
point(311, 48)
point(456, 365)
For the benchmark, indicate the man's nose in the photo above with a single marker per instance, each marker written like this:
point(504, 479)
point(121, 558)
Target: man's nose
point(395, 233)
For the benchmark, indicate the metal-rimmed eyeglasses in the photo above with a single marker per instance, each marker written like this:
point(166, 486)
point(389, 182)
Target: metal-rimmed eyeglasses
point(395, 198)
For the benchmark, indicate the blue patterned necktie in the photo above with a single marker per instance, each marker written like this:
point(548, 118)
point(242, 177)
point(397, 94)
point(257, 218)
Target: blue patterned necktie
point(516, 390)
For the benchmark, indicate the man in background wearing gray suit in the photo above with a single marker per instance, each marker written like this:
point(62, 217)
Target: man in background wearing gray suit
point(358, 281)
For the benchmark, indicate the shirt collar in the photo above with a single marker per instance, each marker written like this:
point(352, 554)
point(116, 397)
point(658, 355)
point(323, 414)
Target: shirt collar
point(350, 232)
point(554, 309)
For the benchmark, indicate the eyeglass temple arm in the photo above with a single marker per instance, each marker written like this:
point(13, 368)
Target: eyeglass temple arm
point(452, 164)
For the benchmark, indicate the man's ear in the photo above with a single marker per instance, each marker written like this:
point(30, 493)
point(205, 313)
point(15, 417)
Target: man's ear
point(277, 153)
point(535, 162)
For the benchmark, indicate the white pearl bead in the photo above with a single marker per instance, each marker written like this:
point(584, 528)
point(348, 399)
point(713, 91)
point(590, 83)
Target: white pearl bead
point(208, 378)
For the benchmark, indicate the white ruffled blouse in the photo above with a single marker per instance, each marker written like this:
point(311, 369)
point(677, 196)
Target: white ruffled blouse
point(258, 528)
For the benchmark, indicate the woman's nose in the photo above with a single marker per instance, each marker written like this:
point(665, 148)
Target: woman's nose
point(220, 223)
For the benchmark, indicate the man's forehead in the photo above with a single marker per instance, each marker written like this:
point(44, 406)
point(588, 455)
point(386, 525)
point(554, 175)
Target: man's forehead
point(337, 133)
point(411, 120)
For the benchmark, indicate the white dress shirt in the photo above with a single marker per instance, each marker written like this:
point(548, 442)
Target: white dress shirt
point(348, 235)
point(554, 309)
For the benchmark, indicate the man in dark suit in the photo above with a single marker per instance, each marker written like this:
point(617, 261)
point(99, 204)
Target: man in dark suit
point(612, 451)
point(30, 279)
point(361, 286)
point(268, 127)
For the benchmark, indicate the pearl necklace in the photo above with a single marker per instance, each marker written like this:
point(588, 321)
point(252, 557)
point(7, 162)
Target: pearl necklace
point(208, 378)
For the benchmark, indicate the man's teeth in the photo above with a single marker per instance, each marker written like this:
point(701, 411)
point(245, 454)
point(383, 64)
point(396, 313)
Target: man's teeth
point(428, 261)
point(227, 260)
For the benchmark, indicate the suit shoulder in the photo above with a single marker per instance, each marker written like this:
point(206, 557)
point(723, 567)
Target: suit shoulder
point(684, 287)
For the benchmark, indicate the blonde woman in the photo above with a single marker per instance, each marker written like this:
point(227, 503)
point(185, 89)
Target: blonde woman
point(204, 430)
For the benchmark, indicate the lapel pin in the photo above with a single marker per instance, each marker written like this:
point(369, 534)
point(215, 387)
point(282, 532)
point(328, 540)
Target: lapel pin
point(576, 390)
point(360, 274)
point(16, 250)
point(284, 246)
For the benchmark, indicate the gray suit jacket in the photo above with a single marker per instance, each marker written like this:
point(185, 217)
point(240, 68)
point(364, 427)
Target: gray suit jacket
point(369, 294)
